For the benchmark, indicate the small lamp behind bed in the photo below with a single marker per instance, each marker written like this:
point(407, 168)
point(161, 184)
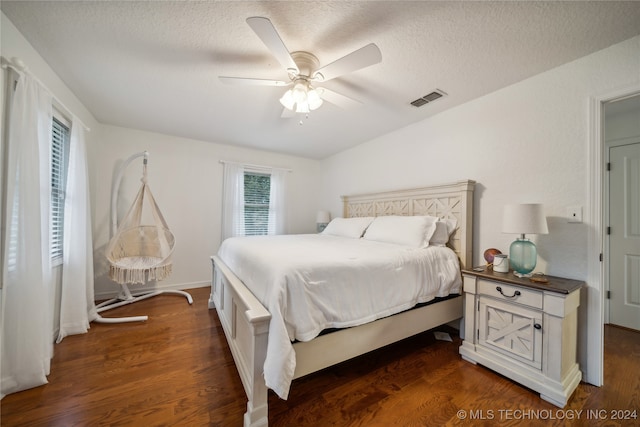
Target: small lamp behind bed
point(322, 220)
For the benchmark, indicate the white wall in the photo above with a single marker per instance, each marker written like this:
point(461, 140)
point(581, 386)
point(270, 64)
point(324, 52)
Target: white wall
point(13, 44)
point(185, 177)
point(526, 143)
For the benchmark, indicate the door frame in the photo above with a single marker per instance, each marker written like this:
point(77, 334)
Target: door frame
point(597, 281)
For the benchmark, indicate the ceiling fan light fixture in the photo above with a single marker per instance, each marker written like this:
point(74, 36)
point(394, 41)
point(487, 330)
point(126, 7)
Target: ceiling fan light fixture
point(302, 98)
point(313, 99)
point(302, 107)
point(299, 92)
point(287, 100)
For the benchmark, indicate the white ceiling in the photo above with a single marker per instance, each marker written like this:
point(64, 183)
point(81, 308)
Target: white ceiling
point(154, 65)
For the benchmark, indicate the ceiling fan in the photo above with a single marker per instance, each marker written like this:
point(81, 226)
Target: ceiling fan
point(304, 72)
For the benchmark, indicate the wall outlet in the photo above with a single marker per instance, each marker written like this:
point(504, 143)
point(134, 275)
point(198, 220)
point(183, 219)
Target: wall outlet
point(574, 214)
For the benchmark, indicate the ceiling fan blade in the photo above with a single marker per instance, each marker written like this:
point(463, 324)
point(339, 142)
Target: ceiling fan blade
point(361, 58)
point(270, 37)
point(338, 99)
point(241, 81)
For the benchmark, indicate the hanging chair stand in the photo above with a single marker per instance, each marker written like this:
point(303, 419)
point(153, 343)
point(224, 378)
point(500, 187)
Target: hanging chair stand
point(138, 269)
point(126, 297)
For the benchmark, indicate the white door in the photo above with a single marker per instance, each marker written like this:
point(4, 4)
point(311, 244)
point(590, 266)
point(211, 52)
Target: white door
point(624, 240)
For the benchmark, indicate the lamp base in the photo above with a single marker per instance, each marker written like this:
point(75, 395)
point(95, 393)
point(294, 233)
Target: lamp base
point(521, 275)
point(523, 256)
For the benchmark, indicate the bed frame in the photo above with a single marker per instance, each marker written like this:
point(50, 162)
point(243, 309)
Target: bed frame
point(245, 320)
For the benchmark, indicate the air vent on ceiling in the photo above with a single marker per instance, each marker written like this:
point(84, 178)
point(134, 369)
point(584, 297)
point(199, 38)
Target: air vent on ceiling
point(436, 94)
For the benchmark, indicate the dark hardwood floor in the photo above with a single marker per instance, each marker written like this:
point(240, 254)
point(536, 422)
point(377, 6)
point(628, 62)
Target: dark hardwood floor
point(176, 370)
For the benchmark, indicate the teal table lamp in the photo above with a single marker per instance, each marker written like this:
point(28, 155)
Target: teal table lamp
point(524, 219)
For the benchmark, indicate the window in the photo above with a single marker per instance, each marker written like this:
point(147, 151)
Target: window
point(59, 163)
point(253, 200)
point(257, 188)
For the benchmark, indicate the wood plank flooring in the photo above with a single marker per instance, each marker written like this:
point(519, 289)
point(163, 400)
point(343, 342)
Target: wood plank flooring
point(176, 370)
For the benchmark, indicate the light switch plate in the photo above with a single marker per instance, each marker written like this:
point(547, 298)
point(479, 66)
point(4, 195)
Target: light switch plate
point(574, 214)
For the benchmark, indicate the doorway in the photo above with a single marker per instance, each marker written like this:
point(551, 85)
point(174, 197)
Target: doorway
point(622, 182)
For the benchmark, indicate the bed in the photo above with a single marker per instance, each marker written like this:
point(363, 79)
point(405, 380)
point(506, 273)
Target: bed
point(249, 325)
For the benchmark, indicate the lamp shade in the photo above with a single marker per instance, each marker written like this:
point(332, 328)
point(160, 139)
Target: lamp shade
point(287, 100)
point(313, 98)
point(323, 217)
point(527, 218)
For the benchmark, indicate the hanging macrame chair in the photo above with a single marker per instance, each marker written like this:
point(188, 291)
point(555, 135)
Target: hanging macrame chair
point(138, 252)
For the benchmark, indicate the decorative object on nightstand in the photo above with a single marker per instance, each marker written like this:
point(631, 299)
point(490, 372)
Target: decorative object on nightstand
point(524, 330)
point(527, 218)
point(490, 254)
point(501, 263)
point(322, 219)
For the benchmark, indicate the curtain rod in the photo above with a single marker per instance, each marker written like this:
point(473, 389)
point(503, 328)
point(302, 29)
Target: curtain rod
point(17, 65)
point(255, 166)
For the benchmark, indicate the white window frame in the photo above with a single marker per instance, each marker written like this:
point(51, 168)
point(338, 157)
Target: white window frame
point(233, 199)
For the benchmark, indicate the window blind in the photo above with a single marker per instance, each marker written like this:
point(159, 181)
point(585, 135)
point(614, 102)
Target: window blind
point(256, 203)
point(59, 159)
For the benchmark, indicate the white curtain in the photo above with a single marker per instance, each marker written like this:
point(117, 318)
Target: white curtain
point(277, 203)
point(27, 316)
point(77, 307)
point(233, 201)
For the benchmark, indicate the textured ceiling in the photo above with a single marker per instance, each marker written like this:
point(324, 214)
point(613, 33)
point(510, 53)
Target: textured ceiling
point(154, 65)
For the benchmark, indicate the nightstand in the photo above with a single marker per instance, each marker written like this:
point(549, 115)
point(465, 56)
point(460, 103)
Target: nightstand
point(523, 330)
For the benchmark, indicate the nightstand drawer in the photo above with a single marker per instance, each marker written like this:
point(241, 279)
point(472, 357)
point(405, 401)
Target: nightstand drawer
point(514, 294)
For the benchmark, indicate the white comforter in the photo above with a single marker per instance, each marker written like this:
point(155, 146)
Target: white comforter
point(313, 282)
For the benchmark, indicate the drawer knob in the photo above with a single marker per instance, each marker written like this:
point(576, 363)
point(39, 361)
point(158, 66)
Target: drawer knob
point(515, 294)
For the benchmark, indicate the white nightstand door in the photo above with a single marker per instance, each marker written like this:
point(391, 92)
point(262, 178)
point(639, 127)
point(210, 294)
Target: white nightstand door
point(511, 330)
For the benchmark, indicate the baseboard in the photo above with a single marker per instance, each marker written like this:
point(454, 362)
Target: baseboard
point(157, 287)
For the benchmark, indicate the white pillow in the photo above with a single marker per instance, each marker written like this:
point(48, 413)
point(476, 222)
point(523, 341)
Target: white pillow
point(413, 231)
point(348, 227)
point(452, 225)
point(444, 228)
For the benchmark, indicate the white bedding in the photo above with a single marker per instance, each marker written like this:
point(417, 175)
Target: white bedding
point(314, 282)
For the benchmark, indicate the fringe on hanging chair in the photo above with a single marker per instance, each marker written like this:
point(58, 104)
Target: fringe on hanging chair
point(136, 270)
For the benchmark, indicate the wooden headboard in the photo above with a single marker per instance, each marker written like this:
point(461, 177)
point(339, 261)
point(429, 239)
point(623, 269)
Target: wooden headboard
point(447, 201)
